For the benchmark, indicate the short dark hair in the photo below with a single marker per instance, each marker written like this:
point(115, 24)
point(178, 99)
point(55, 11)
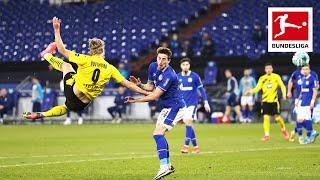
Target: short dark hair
point(305, 65)
point(185, 59)
point(228, 70)
point(166, 51)
point(268, 64)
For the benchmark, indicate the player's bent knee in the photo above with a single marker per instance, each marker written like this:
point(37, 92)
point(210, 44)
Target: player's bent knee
point(160, 129)
point(188, 122)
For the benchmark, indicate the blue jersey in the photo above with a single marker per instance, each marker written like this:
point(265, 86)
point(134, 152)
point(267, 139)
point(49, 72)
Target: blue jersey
point(246, 84)
point(296, 79)
point(189, 86)
point(307, 85)
point(166, 80)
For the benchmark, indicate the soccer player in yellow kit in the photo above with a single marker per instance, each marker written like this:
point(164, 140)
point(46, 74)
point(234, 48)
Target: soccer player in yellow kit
point(83, 86)
point(269, 84)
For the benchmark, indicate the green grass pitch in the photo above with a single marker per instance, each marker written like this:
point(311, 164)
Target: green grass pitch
point(127, 151)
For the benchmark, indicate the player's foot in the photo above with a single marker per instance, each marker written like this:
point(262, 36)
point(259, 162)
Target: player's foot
point(314, 136)
point(184, 149)
point(306, 141)
point(1, 121)
point(51, 48)
point(119, 120)
point(301, 140)
point(80, 121)
point(196, 150)
point(285, 134)
point(265, 138)
point(292, 136)
point(32, 115)
point(164, 172)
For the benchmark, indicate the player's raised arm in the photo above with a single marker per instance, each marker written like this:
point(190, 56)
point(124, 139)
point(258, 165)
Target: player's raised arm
point(149, 86)
point(133, 87)
point(57, 36)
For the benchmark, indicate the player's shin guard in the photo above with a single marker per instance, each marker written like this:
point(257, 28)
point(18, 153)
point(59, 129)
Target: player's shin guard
point(54, 61)
point(188, 135)
point(163, 149)
point(250, 114)
point(279, 120)
point(266, 125)
point(309, 128)
point(55, 111)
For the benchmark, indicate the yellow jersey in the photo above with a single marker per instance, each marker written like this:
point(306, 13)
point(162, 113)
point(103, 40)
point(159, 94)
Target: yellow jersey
point(93, 74)
point(269, 85)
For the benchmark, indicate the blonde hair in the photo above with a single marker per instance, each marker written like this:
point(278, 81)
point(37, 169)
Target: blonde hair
point(96, 46)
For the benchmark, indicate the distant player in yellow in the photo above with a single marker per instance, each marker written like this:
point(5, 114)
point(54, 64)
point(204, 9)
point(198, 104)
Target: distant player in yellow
point(269, 84)
point(80, 87)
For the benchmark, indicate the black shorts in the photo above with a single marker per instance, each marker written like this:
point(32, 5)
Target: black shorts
point(232, 100)
point(72, 101)
point(270, 108)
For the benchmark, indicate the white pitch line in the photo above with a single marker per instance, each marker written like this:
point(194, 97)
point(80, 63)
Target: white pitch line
point(150, 156)
point(69, 155)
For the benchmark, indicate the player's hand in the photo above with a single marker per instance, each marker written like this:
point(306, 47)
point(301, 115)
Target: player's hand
point(247, 93)
point(1, 106)
point(130, 99)
point(289, 95)
point(56, 23)
point(207, 107)
point(135, 80)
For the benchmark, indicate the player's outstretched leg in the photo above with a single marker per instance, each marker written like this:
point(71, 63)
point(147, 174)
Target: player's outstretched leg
point(46, 54)
point(185, 147)
point(55, 111)
point(284, 132)
point(163, 152)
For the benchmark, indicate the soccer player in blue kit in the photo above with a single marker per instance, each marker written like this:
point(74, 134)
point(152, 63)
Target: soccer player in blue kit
point(164, 84)
point(295, 82)
point(190, 85)
point(304, 105)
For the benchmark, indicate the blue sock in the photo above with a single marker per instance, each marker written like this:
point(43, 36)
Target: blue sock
point(188, 135)
point(163, 149)
point(193, 137)
point(308, 124)
point(299, 128)
point(244, 113)
point(250, 114)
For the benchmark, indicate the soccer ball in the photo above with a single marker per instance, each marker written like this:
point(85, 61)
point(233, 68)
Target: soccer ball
point(300, 59)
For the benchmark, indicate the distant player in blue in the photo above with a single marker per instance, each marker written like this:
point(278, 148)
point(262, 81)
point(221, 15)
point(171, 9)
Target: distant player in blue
point(232, 97)
point(295, 83)
point(247, 82)
point(304, 105)
point(164, 84)
point(190, 85)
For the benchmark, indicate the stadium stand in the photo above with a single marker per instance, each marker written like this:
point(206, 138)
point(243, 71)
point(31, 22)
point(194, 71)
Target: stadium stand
point(126, 29)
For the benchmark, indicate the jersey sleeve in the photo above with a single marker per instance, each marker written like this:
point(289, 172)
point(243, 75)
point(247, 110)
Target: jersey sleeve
point(165, 83)
point(293, 76)
point(282, 86)
point(79, 59)
point(200, 87)
point(258, 87)
point(115, 74)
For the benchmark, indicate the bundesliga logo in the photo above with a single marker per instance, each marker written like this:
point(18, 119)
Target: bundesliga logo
point(290, 29)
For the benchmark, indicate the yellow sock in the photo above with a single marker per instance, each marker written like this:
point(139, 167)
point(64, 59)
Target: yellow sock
point(281, 122)
point(55, 111)
point(266, 125)
point(54, 61)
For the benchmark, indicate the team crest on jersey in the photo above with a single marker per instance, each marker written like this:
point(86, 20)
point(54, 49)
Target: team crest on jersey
point(160, 77)
point(189, 79)
point(307, 82)
point(299, 82)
